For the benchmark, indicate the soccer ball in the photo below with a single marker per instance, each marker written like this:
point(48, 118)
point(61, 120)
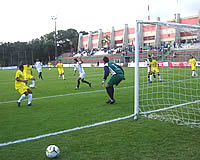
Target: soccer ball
point(52, 151)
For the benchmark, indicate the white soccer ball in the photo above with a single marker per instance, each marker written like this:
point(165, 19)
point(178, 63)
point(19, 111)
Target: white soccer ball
point(52, 151)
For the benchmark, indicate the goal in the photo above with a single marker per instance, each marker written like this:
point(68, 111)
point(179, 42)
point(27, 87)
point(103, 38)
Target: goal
point(173, 94)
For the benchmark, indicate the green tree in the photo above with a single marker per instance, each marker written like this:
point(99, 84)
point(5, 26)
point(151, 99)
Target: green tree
point(42, 48)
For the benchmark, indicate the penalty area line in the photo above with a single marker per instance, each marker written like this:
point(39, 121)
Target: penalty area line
point(69, 94)
point(64, 131)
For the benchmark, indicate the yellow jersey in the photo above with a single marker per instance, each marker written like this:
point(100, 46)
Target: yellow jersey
point(193, 62)
point(27, 70)
point(59, 65)
point(154, 64)
point(20, 75)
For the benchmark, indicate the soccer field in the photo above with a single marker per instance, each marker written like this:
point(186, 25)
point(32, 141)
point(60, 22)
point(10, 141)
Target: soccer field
point(58, 107)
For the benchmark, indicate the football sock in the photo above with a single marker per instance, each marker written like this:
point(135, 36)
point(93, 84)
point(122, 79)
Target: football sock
point(85, 81)
point(40, 75)
point(159, 77)
point(150, 78)
point(78, 83)
point(33, 83)
point(194, 73)
point(63, 76)
point(110, 91)
point(29, 98)
point(21, 98)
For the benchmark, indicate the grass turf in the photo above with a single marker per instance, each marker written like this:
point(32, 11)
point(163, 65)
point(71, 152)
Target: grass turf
point(145, 139)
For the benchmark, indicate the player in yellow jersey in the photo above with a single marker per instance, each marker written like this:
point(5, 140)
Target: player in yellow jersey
point(192, 60)
point(49, 65)
point(154, 69)
point(20, 86)
point(60, 69)
point(28, 74)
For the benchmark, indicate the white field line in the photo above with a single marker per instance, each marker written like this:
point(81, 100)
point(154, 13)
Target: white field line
point(64, 131)
point(68, 130)
point(78, 128)
point(158, 83)
point(50, 79)
point(62, 95)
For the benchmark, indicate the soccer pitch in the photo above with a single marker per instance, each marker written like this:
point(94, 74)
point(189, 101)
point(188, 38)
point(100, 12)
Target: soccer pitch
point(58, 107)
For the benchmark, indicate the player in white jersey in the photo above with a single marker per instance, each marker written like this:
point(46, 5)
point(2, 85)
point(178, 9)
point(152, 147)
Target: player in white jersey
point(78, 66)
point(38, 66)
point(148, 67)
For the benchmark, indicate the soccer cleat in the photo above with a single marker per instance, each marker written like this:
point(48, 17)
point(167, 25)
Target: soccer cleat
point(30, 104)
point(112, 102)
point(76, 88)
point(18, 104)
point(34, 87)
point(90, 84)
point(108, 102)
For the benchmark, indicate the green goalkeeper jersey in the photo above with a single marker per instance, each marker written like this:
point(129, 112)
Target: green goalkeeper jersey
point(113, 69)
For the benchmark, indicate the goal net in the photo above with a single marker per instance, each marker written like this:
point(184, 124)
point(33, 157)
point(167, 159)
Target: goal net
point(171, 91)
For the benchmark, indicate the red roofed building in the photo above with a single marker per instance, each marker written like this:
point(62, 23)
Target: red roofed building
point(149, 34)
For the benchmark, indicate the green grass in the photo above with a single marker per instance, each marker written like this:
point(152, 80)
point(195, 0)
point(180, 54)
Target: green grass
point(145, 139)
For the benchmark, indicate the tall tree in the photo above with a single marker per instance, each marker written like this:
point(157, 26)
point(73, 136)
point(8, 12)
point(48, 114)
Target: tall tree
point(42, 48)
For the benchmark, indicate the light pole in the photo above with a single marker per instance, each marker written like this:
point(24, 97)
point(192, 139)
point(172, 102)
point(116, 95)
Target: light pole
point(54, 18)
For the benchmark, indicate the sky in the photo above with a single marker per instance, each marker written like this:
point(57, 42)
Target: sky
point(24, 20)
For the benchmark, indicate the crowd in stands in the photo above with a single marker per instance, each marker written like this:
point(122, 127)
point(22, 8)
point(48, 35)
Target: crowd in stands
point(102, 51)
point(165, 47)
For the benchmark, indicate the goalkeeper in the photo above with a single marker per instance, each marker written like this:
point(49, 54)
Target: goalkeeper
point(117, 76)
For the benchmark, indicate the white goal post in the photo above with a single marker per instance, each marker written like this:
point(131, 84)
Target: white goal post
point(172, 91)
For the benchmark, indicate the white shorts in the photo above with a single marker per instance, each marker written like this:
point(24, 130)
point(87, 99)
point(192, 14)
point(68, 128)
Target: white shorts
point(82, 75)
point(39, 70)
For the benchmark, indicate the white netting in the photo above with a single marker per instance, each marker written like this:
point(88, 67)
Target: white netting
point(177, 97)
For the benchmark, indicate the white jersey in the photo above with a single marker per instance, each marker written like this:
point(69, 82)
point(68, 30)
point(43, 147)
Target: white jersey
point(78, 66)
point(38, 65)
